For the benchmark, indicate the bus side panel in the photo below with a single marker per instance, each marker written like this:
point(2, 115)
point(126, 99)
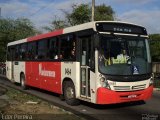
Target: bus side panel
point(45, 75)
point(32, 74)
point(19, 67)
point(71, 70)
point(50, 76)
point(9, 70)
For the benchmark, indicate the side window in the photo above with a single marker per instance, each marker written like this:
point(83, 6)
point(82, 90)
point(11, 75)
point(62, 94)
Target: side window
point(53, 48)
point(17, 52)
point(67, 49)
point(12, 51)
point(42, 49)
point(32, 51)
point(23, 51)
point(8, 53)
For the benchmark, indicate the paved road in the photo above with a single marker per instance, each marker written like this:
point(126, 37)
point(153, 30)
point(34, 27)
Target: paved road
point(128, 111)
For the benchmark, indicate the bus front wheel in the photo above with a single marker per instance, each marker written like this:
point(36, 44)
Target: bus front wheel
point(69, 94)
point(23, 82)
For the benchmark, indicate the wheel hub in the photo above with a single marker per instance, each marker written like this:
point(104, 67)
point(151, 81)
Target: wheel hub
point(69, 92)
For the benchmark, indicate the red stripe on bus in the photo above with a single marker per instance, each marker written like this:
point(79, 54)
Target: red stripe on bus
point(46, 35)
point(105, 96)
point(44, 75)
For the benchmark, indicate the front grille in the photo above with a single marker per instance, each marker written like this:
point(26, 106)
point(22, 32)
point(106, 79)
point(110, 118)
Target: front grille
point(121, 88)
point(139, 87)
point(129, 88)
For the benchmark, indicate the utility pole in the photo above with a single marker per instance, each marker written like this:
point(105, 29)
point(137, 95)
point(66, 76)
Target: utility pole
point(93, 6)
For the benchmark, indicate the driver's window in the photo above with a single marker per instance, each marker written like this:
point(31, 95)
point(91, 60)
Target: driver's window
point(114, 51)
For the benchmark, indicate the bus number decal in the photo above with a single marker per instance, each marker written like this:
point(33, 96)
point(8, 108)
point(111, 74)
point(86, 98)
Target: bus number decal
point(67, 71)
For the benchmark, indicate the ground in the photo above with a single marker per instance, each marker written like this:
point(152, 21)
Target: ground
point(24, 104)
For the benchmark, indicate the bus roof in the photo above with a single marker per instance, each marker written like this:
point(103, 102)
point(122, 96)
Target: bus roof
point(85, 26)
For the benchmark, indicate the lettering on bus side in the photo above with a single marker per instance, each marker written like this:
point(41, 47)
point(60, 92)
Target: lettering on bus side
point(68, 71)
point(46, 73)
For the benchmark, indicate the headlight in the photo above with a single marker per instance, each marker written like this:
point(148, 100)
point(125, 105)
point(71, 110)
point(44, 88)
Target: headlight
point(104, 83)
point(151, 80)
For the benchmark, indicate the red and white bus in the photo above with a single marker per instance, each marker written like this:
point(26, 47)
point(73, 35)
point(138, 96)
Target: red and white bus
point(102, 62)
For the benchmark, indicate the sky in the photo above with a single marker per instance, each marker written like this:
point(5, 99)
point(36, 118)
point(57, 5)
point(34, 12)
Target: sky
point(42, 12)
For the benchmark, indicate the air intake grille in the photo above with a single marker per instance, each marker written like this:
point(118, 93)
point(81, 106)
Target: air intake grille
point(129, 88)
point(139, 87)
point(122, 88)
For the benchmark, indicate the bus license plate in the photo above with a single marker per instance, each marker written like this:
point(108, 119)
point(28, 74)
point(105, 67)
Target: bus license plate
point(132, 96)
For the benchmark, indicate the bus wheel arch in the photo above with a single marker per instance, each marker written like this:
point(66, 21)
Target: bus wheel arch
point(69, 92)
point(23, 81)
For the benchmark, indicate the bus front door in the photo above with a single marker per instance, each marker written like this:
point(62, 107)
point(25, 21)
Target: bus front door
point(85, 67)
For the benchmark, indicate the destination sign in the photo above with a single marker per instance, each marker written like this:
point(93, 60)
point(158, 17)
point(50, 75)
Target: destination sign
point(120, 28)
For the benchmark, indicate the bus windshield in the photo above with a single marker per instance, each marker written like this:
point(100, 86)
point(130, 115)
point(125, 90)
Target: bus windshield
point(124, 55)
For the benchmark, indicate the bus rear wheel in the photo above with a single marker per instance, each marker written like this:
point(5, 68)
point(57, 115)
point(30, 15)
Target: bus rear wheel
point(23, 82)
point(69, 94)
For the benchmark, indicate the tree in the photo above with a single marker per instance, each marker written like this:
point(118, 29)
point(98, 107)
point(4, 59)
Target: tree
point(82, 14)
point(155, 47)
point(103, 12)
point(11, 30)
point(56, 24)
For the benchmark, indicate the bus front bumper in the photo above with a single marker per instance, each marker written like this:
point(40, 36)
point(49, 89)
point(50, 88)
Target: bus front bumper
point(106, 96)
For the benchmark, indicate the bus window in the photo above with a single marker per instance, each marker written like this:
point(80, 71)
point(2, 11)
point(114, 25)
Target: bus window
point(42, 49)
point(9, 54)
point(32, 51)
point(53, 49)
point(23, 50)
point(68, 48)
point(17, 52)
point(12, 52)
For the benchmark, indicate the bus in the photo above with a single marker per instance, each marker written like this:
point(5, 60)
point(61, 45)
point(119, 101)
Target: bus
point(101, 62)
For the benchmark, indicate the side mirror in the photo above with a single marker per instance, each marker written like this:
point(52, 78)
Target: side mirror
point(96, 41)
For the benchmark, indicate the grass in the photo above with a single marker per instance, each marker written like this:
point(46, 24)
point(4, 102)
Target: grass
point(21, 97)
point(41, 111)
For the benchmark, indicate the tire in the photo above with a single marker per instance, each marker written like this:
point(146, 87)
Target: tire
point(69, 94)
point(23, 82)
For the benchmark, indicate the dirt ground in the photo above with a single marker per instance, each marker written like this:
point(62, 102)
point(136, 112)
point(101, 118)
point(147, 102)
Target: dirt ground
point(24, 106)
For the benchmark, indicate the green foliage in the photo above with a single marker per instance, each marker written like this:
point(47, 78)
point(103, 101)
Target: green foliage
point(56, 24)
point(82, 14)
point(103, 12)
point(21, 97)
point(11, 30)
point(155, 47)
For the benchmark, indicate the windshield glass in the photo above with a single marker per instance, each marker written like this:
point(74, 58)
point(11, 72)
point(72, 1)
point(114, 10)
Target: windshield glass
point(124, 55)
